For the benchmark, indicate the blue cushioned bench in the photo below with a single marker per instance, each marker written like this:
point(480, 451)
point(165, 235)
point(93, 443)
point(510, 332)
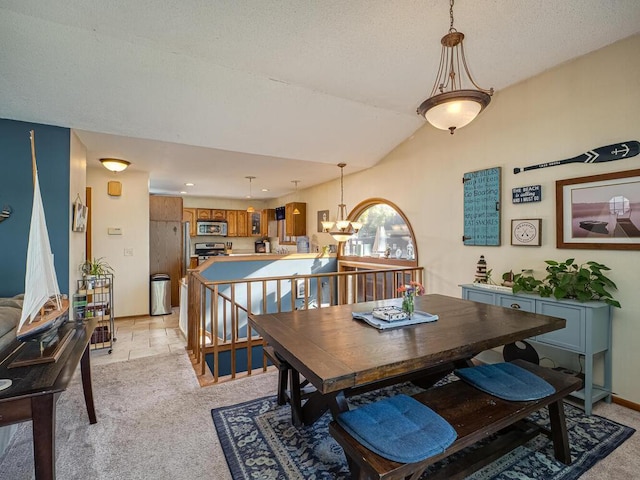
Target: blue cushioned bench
point(475, 415)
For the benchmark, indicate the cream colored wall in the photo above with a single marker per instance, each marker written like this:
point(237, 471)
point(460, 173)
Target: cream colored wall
point(130, 212)
point(77, 184)
point(590, 102)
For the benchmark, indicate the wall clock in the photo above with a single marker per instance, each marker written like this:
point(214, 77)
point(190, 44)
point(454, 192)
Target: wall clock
point(526, 232)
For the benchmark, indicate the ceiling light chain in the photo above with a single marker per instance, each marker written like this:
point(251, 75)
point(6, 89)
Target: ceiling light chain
point(344, 229)
point(295, 197)
point(450, 105)
point(250, 209)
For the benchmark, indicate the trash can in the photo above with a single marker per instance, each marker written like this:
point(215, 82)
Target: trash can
point(160, 294)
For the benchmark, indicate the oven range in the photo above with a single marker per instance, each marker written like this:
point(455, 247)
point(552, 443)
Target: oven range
point(209, 249)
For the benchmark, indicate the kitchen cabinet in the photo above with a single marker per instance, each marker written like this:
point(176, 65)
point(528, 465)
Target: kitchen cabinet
point(218, 215)
point(164, 208)
point(189, 215)
point(232, 223)
point(255, 224)
point(237, 223)
point(268, 218)
point(203, 213)
point(243, 223)
point(295, 225)
point(587, 331)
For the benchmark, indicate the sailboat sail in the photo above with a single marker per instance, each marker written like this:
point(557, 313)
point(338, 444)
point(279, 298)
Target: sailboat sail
point(40, 283)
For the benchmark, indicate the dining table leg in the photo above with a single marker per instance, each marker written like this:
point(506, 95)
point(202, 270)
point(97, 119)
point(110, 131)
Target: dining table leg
point(317, 404)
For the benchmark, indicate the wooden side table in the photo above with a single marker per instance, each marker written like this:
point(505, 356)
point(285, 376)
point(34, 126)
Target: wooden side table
point(35, 390)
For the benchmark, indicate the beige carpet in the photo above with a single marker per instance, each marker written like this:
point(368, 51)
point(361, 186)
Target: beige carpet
point(154, 422)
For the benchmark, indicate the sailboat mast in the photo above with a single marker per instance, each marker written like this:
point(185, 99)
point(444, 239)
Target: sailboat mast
point(33, 156)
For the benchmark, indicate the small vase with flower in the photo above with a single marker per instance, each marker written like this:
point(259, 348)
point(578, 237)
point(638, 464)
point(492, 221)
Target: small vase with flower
point(409, 292)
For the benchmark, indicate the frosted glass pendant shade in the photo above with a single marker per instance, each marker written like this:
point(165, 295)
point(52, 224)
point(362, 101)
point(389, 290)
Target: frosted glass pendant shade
point(453, 110)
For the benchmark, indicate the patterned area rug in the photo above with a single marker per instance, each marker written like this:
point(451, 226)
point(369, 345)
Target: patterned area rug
point(259, 442)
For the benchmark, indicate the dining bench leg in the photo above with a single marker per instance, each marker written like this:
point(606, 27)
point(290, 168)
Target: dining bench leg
point(559, 433)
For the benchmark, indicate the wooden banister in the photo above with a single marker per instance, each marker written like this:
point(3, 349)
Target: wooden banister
point(218, 310)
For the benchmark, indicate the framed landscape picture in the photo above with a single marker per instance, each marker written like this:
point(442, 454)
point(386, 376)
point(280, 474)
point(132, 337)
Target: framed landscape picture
point(599, 211)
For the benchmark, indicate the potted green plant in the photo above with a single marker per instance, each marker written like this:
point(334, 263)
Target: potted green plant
point(567, 279)
point(93, 269)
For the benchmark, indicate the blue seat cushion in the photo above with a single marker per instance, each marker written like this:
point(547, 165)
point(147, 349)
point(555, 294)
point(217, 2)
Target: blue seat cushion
point(399, 428)
point(506, 381)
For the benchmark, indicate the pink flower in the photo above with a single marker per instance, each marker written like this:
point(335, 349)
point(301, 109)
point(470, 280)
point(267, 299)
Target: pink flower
point(414, 288)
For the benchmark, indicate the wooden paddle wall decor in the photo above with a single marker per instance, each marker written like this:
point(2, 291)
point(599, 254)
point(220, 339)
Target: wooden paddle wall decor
point(482, 207)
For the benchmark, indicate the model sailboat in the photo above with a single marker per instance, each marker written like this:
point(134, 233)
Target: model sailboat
point(43, 308)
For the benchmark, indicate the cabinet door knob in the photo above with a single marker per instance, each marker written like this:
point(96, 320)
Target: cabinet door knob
point(516, 306)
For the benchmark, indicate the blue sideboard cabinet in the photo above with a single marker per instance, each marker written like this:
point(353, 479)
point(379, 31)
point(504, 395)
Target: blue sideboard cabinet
point(587, 332)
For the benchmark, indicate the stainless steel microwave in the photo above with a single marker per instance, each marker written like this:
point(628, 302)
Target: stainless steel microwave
point(206, 227)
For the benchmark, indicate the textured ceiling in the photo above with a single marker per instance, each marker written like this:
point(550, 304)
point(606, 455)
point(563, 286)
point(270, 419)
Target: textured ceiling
point(212, 91)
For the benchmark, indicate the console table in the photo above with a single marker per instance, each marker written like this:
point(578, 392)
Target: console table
point(588, 331)
point(36, 388)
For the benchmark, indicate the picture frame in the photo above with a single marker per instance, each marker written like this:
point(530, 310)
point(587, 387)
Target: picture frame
point(526, 232)
point(323, 216)
point(300, 289)
point(599, 212)
point(79, 215)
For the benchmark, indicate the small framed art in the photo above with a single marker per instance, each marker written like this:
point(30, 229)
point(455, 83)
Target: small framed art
point(79, 215)
point(300, 288)
point(526, 232)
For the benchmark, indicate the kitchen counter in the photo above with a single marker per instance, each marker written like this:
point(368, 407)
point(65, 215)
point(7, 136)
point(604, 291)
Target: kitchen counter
point(249, 257)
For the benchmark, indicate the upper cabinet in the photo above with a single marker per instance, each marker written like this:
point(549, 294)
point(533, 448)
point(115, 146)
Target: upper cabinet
point(237, 223)
point(203, 213)
point(232, 223)
point(243, 223)
point(255, 224)
point(218, 215)
point(189, 215)
point(295, 224)
point(163, 208)
point(240, 223)
point(268, 219)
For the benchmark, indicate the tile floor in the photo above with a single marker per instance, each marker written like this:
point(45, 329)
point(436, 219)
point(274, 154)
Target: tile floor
point(138, 337)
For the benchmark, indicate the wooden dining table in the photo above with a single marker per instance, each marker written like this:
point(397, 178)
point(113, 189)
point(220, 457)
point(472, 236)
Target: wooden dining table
point(341, 356)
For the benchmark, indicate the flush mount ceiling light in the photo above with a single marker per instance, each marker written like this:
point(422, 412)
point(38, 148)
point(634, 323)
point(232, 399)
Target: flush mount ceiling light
point(295, 197)
point(342, 229)
point(114, 164)
point(450, 105)
point(250, 209)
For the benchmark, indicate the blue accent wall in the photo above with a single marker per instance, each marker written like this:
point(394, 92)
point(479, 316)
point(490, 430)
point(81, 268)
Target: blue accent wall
point(16, 189)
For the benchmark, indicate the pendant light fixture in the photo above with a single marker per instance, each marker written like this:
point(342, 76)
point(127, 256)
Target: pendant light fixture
point(250, 209)
point(295, 197)
point(342, 229)
point(114, 164)
point(451, 105)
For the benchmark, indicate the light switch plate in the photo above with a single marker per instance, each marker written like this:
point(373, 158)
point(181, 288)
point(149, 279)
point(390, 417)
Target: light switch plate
point(114, 231)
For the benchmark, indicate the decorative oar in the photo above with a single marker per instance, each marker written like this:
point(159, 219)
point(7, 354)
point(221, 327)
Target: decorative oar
point(617, 151)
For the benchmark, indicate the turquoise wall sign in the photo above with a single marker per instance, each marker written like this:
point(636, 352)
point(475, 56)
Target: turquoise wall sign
point(482, 207)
